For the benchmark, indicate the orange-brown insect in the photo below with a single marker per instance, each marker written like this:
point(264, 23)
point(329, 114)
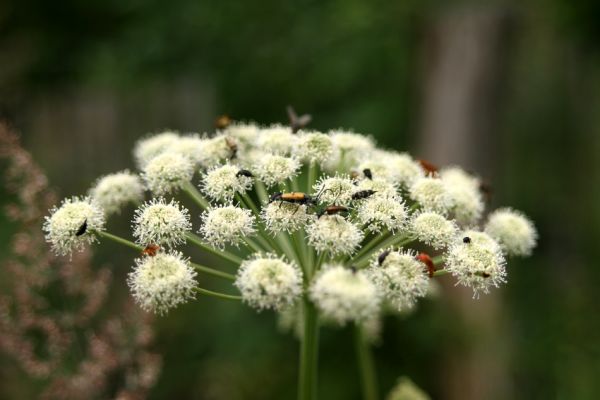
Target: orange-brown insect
point(330, 210)
point(292, 197)
point(151, 250)
point(429, 168)
point(233, 147)
point(223, 121)
point(425, 259)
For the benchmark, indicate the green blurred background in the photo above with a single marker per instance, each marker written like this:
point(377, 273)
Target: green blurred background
point(508, 89)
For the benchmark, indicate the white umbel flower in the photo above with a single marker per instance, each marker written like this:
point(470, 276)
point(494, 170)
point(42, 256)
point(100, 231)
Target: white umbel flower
point(334, 234)
point(268, 282)
point(273, 169)
point(380, 169)
point(218, 149)
point(477, 263)
point(405, 170)
point(223, 182)
point(401, 278)
point(276, 139)
point(162, 282)
point(431, 194)
point(348, 149)
point(379, 212)
point(313, 147)
point(148, 148)
point(161, 223)
point(245, 134)
point(381, 187)
point(433, 229)
point(190, 146)
point(226, 225)
point(282, 216)
point(68, 227)
point(112, 192)
point(515, 233)
point(344, 295)
point(466, 199)
point(167, 172)
point(334, 190)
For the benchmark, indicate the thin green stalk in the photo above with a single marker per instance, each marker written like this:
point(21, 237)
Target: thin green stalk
point(195, 195)
point(220, 253)
point(253, 245)
point(286, 246)
point(217, 294)
point(247, 201)
point(372, 243)
point(295, 186)
point(118, 239)
point(391, 241)
point(309, 353)
point(366, 365)
point(312, 176)
point(438, 260)
point(261, 192)
point(441, 272)
point(213, 272)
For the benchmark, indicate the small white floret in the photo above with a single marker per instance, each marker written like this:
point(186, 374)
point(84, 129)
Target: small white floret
point(70, 227)
point(344, 295)
point(433, 229)
point(334, 234)
point(269, 282)
point(334, 190)
point(379, 212)
point(515, 233)
point(149, 147)
point(431, 194)
point(282, 216)
point(112, 192)
point(274, 169)
point(313, 147)
point(226, 225)
point(276, 139)
point(223, 182)
point(161, 223)
point(167, 173)
point(162, 282)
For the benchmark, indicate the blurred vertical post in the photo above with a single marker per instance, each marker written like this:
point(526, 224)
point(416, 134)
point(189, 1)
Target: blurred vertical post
point(464, 54)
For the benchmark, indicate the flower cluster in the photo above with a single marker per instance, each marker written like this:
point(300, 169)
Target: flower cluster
point(306, 217)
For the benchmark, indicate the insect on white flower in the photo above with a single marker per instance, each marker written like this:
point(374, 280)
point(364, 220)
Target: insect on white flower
point(223, 182)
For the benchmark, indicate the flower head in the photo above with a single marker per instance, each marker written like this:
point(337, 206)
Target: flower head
point(401, 278)
point(162, 282)
point(515, 233)
point(431, 194)
point(276, 139)
point(191, 146)
point(217, 149)
point(433, 229)
point(267, 281)
point(69, 226)
point(313, 147)
point(334, 190)
point(405, 170)
point(245, 134)
point(343, 295)
point(334, 234)
point(161, 223)
point(114, 191)
point(226, 225)
point(381, 187)
point(477, 263)
point(148, 148)
point(167, 172)
point(348, 149)
point(273, 169)
point(379, 212)
point(282, 216)
point(466, 199)
point(223, 182)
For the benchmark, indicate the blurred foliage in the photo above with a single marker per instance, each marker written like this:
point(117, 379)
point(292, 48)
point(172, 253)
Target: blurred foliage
point(356, 64)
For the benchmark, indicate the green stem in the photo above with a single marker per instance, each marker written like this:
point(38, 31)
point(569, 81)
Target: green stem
point(366, 365)
point(195, 195)
point(391, 241)
point(441, 272)
point(217, 294)
point(213, 272)
point(312, 176)
point(253, 245)
point(220, 253)
point(119, 240)
point(309, 352)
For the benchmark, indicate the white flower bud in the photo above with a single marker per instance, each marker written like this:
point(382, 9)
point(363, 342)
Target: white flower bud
point(348, 149)
point(245, 134)
point(191, 146)
point(268, 282)
point(276, 139)
point(515, 233)
point(147, 148)
point(401, 278)
point(313, 147)
point(431, 194)
point(69, 226)
point(344, 295)
point(112, 192)
point(334, 234)
point(226, 225)
point(379, 212)
point(217, 149)
point(282, 216)
point(466, 199)
point(273, 169)
point(162, 282)
point(405, 170)
point(433, 229)
point(223, 182)
point(477, 263)
point(336, 190)
point(161, 223)
point(167, 172)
